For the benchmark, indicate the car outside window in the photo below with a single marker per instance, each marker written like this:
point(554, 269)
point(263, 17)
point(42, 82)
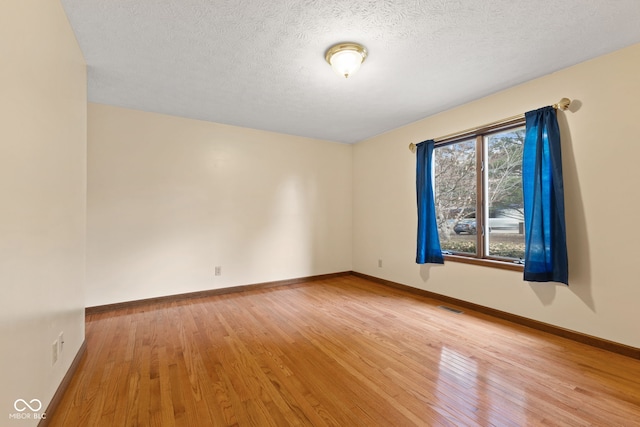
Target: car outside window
point(478, 195)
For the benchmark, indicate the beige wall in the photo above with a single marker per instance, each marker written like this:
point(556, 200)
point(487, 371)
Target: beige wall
point(42, 187)
point(171, 198)
point(601, 169)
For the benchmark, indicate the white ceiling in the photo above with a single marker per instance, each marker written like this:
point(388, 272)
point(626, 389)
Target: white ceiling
point(260, 63)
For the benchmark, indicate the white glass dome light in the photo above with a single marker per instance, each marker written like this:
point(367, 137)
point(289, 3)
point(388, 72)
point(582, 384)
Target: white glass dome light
point(346, 58)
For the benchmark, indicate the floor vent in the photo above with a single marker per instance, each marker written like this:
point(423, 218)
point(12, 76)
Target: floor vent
point(453, 310)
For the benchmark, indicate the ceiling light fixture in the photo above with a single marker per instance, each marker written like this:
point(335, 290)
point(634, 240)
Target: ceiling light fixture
point(345, 58)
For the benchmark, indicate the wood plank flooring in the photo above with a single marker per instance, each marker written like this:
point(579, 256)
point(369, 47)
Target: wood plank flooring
point(338, 352)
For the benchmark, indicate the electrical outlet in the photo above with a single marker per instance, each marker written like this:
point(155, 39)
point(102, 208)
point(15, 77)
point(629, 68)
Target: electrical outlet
point(60, 342)
point(380, 263)
point(218, 271)
point(54, 352)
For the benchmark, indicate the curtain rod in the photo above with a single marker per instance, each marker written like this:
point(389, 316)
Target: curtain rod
point(563, 104)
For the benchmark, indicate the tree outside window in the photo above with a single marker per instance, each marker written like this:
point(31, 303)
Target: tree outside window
point(478, 195)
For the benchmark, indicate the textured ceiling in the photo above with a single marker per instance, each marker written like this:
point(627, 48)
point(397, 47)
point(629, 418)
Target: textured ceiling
point(260, 63)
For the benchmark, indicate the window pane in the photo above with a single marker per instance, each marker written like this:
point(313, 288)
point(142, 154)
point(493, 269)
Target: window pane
point(455, 194)
point(504, 194)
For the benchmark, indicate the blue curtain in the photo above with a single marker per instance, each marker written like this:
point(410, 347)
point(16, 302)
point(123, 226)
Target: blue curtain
point(545, 258)
point(428, 241)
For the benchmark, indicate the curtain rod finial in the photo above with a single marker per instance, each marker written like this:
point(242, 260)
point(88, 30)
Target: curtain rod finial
point(412, 147)
point(563, 104)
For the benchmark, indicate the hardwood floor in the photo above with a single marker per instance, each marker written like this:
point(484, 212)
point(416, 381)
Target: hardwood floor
point(338, 352)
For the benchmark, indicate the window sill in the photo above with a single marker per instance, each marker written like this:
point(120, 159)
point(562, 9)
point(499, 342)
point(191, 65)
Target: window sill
point(493, 263)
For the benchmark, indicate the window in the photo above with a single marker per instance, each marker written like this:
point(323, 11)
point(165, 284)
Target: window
point(478, 195)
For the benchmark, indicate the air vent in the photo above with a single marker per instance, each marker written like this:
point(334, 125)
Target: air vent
point(453, 310)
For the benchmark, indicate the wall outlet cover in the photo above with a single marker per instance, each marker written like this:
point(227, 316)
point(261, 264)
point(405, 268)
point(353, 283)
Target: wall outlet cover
point(60, 342)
